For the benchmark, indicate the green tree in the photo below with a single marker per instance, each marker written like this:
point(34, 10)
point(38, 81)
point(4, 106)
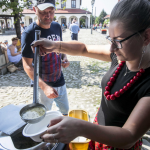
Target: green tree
point(17, 7)
point(106, 21)
point(82, 22)
point(84, 9)
point(97, 20)
point(92, 19)
point(101, 17)
point(16, 11)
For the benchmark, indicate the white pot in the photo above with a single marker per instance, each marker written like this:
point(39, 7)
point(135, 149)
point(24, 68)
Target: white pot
point(34, 131)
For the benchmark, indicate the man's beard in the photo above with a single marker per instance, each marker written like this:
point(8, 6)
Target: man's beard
point(44, 22)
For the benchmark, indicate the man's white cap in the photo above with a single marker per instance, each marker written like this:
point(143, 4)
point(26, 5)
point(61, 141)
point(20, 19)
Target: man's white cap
point(44, 4)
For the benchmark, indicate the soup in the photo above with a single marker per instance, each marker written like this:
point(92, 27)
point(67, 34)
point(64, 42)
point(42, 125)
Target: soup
point(33, 113)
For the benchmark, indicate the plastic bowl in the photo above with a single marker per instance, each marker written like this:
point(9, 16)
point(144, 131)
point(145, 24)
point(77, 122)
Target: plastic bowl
point(34, 131)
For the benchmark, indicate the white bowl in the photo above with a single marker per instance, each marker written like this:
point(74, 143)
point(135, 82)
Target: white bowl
point(34, 131)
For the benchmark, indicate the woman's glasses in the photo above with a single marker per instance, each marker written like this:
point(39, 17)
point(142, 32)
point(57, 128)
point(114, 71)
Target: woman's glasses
point(118, 43)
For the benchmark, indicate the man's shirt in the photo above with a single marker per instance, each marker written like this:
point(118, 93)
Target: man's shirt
point(50, 64)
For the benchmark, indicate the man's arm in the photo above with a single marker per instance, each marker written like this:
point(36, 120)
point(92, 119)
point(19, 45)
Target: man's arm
point(49, 91)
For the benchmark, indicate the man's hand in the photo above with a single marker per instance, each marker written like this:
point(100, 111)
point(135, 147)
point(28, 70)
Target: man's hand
point(65, 63)
point(50, 92)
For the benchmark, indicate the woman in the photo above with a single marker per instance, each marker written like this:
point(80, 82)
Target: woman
point(14, 56)
point(124, 113)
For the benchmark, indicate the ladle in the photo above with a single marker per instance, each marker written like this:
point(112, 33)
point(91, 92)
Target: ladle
point(35, 86)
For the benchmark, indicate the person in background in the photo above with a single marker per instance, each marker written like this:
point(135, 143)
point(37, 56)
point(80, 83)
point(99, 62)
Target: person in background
point(63, 26)
point(8, 25)
point(22, 27)
point(56, 21)
point(14, 56)
point(6, 42)
point(74, 28)
point(4, 45)
point(68, 25)
point(75, 21)
point(100, 25)
point(96, 27)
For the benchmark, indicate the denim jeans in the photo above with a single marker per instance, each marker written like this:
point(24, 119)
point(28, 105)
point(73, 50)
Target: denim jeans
point(61, 101)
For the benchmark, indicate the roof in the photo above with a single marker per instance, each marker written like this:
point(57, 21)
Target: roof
point(60, 11)
point(107, 16)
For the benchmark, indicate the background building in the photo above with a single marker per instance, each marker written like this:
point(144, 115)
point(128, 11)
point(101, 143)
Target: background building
point(71, 10)
point(6, 19)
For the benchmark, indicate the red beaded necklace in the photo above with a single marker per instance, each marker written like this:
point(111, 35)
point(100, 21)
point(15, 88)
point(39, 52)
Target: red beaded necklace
point(107, 93)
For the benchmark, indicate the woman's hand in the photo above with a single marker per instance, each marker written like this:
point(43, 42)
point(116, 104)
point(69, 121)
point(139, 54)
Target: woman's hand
point(62, 129)
point(46, 46)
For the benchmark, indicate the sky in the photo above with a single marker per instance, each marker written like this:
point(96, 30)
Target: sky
point(107, 5)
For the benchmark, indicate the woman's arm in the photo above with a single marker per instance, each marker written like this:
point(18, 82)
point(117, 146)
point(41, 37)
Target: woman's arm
point(12, 50)
point(100, 52)
point(75, 48)
point(66, 129)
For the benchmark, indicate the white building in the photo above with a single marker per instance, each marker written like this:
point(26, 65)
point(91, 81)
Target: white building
point(6, 19)
point(72, 10)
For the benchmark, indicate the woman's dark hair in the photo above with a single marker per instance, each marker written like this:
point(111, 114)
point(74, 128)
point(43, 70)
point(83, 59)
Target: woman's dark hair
point(134, 14)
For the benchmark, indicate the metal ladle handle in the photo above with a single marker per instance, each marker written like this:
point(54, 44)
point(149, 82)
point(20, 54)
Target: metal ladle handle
point(36, 69)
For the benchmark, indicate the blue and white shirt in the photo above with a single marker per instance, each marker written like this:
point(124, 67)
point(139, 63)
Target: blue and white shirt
point(74, 28)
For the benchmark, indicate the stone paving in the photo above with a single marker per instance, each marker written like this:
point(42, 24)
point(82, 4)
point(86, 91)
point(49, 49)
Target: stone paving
point(83, 78)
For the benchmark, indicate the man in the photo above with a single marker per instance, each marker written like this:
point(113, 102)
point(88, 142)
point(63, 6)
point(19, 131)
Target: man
point(5, 44)
point(51, 81)
point(74, 28)
point(22, 27)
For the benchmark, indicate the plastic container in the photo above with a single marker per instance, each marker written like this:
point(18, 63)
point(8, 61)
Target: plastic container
point(34, 131)
point(83, 115)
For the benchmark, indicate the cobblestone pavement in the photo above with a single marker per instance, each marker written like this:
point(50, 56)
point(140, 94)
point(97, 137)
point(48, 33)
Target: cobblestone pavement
point(82, 77)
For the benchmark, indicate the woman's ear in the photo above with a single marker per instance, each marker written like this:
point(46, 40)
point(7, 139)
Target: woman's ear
point(147, 37)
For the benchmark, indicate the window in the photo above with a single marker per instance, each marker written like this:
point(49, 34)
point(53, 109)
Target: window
point(63, 4)
point(73, 3)
point(30, 20)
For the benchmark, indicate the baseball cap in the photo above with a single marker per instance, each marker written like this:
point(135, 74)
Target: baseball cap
point(22, 22)
point(43, 4)
point(5, 41)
